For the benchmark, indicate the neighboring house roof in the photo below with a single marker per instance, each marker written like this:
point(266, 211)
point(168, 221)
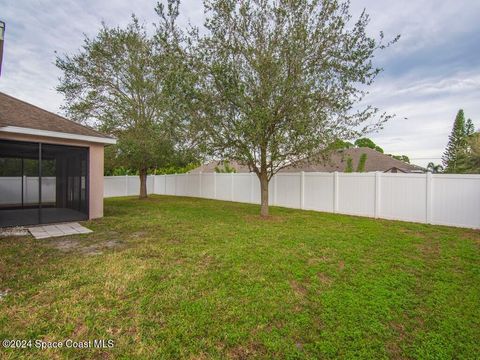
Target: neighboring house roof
point(210, 167)
point(336, 161)
point(17, 116)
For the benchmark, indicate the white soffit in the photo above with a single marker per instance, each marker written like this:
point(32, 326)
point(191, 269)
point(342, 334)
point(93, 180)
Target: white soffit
point(57, 134)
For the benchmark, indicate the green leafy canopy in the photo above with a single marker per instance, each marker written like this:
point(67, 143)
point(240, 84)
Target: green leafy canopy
point(280, 81)
point(124, 82)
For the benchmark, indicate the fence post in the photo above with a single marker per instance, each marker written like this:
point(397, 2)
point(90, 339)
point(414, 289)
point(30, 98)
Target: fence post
point(377, 194)
point(165, 184)
point(335, 192)
point(175, 184)
point(231, 186)
point(24, 189)
point(126, 185)
point(428, 205)
point(200, 183)
point(251, 187)
point(274, 200)
point(153, 190)
point(214, 184)
point(302, 190)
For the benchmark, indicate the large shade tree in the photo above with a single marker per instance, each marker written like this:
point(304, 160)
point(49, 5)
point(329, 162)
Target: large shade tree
point(279, 81)
point(123, 82)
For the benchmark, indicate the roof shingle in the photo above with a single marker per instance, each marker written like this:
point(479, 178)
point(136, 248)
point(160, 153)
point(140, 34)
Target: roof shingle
point(15, 112)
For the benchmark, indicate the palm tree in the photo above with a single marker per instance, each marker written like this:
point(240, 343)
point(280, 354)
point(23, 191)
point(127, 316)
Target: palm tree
point(431, 167)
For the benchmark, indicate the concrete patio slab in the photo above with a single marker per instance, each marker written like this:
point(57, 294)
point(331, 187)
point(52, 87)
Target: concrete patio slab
point(46, 231)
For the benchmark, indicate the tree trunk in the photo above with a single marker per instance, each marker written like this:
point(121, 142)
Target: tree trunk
point(264, 193)
point(143, 184)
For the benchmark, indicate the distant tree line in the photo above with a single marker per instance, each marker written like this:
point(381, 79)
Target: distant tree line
point(13, 167)
point(121, 170)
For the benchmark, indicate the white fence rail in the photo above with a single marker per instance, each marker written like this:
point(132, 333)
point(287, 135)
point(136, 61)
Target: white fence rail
point(441, 199)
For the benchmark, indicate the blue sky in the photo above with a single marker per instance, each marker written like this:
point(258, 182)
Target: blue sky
point(429, 74)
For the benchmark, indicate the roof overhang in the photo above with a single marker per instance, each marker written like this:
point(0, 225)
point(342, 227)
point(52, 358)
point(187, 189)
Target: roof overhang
point(57, 134)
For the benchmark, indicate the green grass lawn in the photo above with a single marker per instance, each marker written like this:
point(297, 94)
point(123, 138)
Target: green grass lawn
point(173, 277)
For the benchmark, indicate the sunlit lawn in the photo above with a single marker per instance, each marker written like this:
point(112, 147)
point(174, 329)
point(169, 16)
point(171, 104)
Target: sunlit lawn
point(173, 277)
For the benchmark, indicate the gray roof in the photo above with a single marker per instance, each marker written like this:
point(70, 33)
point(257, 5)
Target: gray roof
point(335, 161)
point(15, 112)
point(210, 167)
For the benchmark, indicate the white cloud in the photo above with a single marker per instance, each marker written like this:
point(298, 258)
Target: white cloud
point(429, 106)
point(429, 74)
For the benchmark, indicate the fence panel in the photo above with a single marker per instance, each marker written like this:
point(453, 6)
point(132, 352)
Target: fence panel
point(114, 186)
point(456, 200)
point(287, 190)
point(438, 199)
point(224, 186)
point(356, 194)
point(208, 186)
point(319, 191)
point(150, 184)
point(403, 197)
point(242, 185)
point(133, 185)
point(193, 181)
point(256, 190)
point(31, 190)
point(181, 185)
point(170, 184)
point(49, 187)
point(159, 185)
point(11, 190)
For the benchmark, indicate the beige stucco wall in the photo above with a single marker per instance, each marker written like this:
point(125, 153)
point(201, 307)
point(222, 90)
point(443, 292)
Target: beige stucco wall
point(96, 181)
point(95, 171)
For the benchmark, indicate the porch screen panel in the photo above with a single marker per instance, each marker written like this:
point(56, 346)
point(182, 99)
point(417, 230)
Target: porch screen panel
point(19, 183)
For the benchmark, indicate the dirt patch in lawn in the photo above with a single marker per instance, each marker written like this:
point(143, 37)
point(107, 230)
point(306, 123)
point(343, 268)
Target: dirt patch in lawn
point(318, 260)
point(140, 234)
point(79, 246)
point(246, 352)
point(394, 346)
point(429, 248)
point(474, 236)
point(13, 231)
point(324, 278)
point(422, 234)
point(298, 288)
point(323, 256)
point(97, 249)
point(268, 219)
point(176, 240)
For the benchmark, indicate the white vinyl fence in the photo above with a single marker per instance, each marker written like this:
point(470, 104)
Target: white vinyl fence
point(441, 199)
point(11, 189)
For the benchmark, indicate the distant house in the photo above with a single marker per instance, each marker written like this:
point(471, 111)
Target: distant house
point(336, 161)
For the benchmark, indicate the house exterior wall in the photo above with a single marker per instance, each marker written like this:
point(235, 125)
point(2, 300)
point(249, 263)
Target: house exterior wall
point(96, 163)
point(96, 181)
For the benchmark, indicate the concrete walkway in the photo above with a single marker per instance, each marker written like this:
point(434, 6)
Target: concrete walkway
point(46, 231)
